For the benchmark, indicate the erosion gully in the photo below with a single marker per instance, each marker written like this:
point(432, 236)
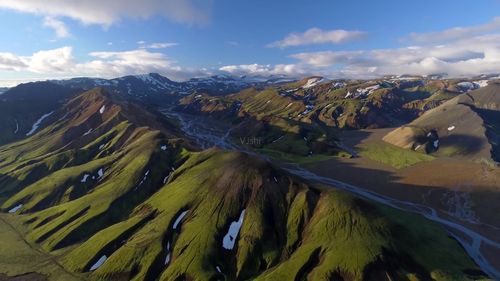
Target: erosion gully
point(197, 128)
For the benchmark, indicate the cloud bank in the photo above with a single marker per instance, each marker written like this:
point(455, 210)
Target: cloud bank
point(461, 51)
point(456, 33)
point(61, 63)
point(318, 36)
point(110, 11)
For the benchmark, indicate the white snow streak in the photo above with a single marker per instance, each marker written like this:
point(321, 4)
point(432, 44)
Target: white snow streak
point(179, 219)
point(85, 177)
point(17, 127)
point(15, 209)
point(99, 263)
point(88, 132)
point(37, 123)
point(230, 238)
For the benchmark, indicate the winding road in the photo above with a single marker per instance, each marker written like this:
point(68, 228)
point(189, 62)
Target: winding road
point(208, 136)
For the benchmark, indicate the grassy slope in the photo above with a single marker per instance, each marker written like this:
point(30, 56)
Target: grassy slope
point(465, 126)
point(312, 223)
point(18, 256)
point(392, 155)
point(291, 231)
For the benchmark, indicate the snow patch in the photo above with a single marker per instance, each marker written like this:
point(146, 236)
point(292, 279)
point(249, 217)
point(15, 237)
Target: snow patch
point(338, 85)
point(436, 143)
point(481, 83)
point(102, 109)
point(88, 132)
point(230, 238)
point(101, 146)
point(363, 92)
point(179, 219)
point(85, 177)
point(218, 269)
point(100, 173)
point(163, 147)
point(278, 139)
point(99, 263)
point(451, 128)
point(312, 82)
point(37, 123)
point(15, 209)
point(167, 257)
point(17, 127)
point(144, 178)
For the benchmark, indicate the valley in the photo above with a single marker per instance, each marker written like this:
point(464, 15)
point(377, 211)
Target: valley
point(419, 188)
point(111, 186)
point(192, 140)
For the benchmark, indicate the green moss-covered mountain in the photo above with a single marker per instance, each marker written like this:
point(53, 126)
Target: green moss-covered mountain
point(111, 191)
point(304, 118)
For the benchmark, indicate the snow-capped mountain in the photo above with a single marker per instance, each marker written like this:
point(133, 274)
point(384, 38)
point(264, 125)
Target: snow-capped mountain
point(154, 83)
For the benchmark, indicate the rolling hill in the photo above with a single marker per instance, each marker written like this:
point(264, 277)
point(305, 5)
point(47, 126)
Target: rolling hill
point(111, 190)
point(351, 104)
point(465, 126)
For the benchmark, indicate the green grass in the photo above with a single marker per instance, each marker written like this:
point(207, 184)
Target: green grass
point(392, 155)
point(18, 257)
point(294, 158)
point(291, 230)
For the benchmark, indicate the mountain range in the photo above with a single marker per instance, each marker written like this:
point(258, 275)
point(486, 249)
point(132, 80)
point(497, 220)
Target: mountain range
point(107, 179)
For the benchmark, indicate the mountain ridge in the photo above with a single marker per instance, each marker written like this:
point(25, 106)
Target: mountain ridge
point(128, 201)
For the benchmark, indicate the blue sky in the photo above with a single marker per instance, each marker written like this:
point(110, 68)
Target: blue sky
point(187, 38)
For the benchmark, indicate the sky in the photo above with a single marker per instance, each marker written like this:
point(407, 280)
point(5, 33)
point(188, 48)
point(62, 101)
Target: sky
point(182, 39)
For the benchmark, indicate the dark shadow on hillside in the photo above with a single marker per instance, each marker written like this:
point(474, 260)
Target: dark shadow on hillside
point(464, 144)
point(492, 122)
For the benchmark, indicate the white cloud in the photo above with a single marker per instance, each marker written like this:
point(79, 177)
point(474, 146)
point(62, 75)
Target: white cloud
point(162, 45)
point(110, 11)
point(110, 64)
point(466, 57)
point(11, 62)
point(57, 25)
point(456, 33)
point(260, 69)
point(246, 68)
point(57, 60)
point(318, 36)
point(472, 56)
point(61, 63)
